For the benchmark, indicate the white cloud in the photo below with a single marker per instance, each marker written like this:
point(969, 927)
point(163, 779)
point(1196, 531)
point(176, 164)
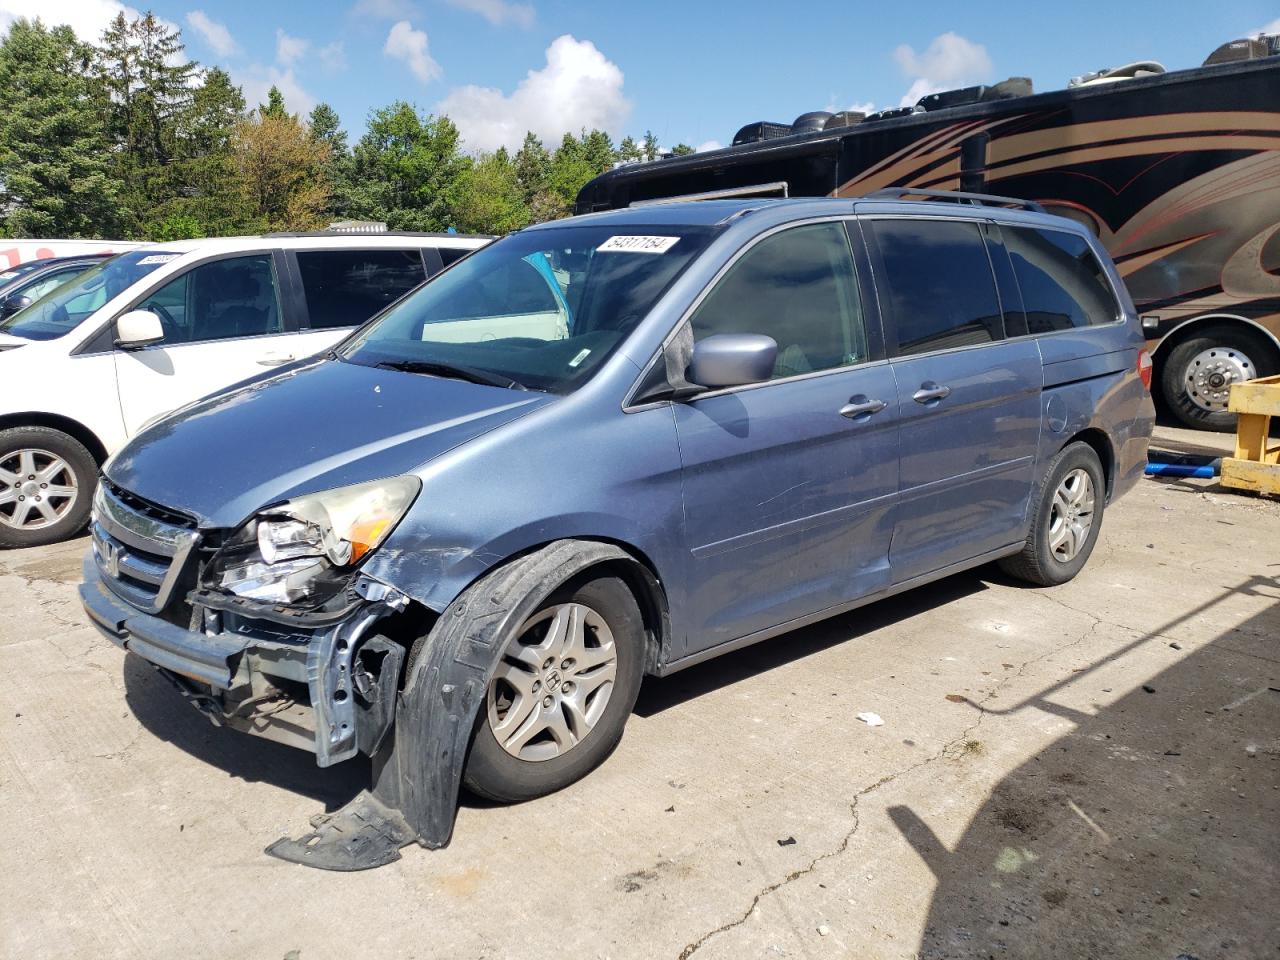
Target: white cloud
point(410, 45)
point(579, 87)
point(499, 12)
point(88, 18)
point(215, 35)
point(257, 80)
point(333, 56)
point(1269, 28)
point(289, 50)
point(709, 145)
point(948, 62)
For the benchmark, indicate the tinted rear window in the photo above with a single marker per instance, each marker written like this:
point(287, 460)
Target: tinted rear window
point(344, 288)
point(1062, 283)
point(937, 284)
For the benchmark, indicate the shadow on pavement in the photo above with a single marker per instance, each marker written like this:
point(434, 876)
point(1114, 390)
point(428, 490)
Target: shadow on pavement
point(1150, 830)
point(161, 709)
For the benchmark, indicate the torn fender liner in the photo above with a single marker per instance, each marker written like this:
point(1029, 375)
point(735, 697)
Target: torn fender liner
point(418, 769)
point(362, 835)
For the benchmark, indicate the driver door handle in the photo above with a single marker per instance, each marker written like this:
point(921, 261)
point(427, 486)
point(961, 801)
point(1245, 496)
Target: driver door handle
point(860, 406)
point(930, 392)
point(275, 359)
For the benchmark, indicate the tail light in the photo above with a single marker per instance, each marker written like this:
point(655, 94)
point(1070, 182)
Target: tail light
point(1144, 368)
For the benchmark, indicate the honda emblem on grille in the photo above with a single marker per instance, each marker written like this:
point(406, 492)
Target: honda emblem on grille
point(111, 559)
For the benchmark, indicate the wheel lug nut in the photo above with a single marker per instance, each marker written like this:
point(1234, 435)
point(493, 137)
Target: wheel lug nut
point(567, 688)
point(537, 685)
point(568, 664)
point(549, 664)
point(546, 702)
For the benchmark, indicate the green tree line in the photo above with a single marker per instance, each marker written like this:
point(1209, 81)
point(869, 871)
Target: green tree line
point(128, 139)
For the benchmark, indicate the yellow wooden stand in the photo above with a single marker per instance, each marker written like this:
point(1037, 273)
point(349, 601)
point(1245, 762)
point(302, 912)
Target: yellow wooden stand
point(1256, 466)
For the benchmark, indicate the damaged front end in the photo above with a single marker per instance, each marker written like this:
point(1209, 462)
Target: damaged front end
point(309, 667)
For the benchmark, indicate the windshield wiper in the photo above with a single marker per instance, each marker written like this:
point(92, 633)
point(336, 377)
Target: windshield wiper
point(453, 371)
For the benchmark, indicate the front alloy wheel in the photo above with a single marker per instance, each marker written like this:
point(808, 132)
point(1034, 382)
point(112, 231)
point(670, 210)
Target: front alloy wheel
point(37, 489)
point(46, 485)
point(553, 683)
point(560, 692)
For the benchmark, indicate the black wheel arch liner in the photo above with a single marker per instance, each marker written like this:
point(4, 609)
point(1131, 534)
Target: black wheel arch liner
point(417, 771)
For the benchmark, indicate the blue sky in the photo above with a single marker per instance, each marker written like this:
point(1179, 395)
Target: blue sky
point(690, 71)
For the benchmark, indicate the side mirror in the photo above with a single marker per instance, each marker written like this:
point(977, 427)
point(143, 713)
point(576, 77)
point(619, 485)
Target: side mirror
point(138, 328)
point(732, 360)
point(12, 305)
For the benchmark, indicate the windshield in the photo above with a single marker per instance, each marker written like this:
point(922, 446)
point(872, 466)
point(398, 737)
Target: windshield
point(541, 309)
point(64, 308)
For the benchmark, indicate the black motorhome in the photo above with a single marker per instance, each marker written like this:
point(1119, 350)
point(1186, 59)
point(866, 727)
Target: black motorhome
point(1178, 173)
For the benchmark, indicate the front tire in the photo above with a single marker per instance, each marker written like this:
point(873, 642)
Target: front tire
point(46, 486)
point(1196, 377)
point(561, 693)
point(1066, 520)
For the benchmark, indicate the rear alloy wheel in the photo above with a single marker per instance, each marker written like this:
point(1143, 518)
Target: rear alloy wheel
point(1198, 374)
point(1066, 519)
point(46, 484)
point(560, 694)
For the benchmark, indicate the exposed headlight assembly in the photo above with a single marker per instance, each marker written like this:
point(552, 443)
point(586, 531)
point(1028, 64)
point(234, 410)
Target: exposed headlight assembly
point(307, 548)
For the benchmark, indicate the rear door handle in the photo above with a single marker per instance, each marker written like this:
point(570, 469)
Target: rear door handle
point(275, 359)
point(860, 406)
point(931, 392)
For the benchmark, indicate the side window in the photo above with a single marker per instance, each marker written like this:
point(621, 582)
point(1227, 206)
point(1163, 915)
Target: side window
point(798, 287)
point(1062, 283)
point(937, 284)
point(450, 255)
point(219, 300)
point(344, 288)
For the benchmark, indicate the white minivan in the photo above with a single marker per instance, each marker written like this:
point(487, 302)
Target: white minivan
point(148, 331)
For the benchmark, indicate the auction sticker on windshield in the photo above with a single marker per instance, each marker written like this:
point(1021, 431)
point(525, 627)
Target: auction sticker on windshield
point(158, 258)
point(637, 245)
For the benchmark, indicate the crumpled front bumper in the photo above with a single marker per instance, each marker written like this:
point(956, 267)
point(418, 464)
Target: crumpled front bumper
point(331, 691)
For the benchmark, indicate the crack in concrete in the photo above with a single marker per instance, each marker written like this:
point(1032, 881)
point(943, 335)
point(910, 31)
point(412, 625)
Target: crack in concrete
point(947, 751)
point(693, 947)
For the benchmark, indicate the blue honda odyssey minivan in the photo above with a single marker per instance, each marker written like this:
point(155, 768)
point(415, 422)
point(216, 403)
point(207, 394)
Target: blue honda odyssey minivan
point(612, 446)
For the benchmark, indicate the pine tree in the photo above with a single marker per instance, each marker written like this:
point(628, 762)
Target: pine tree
point(55, 173)
point(208, 201)
point(629, 151)
point(408, 169)
point(651, 147)
point(326, 128)
point(148, 85)
point(682, 150)
point(274, 107)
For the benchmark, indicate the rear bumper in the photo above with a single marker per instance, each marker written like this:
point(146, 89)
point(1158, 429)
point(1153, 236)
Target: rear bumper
point(330, 691)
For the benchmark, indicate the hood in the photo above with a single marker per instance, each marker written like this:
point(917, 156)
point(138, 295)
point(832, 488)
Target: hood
point(326, 424)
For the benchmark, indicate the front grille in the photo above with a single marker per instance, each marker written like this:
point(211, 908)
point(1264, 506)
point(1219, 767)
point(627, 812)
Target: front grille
point(141, 552)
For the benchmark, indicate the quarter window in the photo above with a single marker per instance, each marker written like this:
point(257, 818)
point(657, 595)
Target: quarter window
point(799, 288)
point(1062, 283)
point(344, 288)
point(219, 300)
point(940, 290)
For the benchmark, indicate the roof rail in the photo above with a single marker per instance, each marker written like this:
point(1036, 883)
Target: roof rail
point(349, 234)
point(955, 196)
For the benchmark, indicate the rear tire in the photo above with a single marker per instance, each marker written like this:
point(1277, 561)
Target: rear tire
point(1196, 376)
point(1059, 542)
point(531, 760)
point(46, 486)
